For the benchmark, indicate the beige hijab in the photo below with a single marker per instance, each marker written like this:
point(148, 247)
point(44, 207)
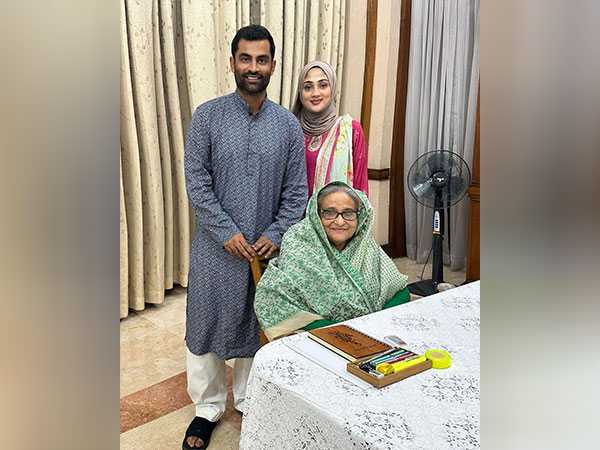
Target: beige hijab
point(316, 124)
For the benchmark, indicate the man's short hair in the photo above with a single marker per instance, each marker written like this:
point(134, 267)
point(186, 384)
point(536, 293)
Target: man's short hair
point(252, 33)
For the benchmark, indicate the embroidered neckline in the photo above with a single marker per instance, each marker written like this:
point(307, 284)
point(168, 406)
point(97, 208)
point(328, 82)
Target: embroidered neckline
point(315, 143)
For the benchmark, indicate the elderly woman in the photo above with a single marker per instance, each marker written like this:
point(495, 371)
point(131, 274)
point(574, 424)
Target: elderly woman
point(329, 269)
point(334, 146)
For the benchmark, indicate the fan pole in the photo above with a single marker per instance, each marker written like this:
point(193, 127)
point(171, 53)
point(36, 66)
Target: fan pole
point(437, 266)
point(425, 288)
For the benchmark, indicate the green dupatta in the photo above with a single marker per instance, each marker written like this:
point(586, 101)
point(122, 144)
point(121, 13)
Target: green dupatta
point(312, 280)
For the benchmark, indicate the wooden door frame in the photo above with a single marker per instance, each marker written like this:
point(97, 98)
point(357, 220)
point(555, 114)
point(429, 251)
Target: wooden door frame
point(369, 73)
point(473, 243)
point(396, 246)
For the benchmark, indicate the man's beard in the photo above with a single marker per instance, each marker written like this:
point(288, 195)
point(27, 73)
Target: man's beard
point(256, 88)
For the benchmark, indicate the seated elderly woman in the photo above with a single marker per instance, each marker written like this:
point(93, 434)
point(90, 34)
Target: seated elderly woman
point(329, 269)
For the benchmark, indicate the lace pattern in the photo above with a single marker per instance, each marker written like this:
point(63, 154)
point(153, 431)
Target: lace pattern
point(295, 404)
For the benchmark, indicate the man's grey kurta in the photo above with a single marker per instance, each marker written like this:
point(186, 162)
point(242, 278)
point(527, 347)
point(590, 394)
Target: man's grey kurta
point(244, 173)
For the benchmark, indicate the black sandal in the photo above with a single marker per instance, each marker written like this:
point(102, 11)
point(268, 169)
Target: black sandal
point(201, 428)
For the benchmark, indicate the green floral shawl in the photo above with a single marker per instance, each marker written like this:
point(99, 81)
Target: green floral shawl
point(311, 279)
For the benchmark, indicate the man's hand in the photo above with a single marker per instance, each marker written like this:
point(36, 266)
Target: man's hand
point(264, 247)
point(238, 246)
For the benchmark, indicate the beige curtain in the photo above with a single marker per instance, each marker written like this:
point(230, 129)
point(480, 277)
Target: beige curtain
point(175, 56)
point(303, 31)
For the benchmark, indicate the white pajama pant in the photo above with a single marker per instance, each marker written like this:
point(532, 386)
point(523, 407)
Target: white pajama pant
point(207, 386)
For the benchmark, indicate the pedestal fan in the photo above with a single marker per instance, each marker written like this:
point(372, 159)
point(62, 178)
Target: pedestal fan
point(438, 179)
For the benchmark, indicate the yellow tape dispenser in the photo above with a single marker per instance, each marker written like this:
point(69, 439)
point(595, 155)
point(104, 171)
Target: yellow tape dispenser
point(440, 359)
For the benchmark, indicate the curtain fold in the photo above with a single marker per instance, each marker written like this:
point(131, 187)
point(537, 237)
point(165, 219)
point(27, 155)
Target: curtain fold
point(175, 56)
point(164, 147)
point(441, 107)
point(144, 65)
point(303, 30)
point(131, 179)
point(124, 279)
point(180, 213)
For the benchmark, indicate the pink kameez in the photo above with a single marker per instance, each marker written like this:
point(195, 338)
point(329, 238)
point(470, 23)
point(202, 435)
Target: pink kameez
point(360, 179)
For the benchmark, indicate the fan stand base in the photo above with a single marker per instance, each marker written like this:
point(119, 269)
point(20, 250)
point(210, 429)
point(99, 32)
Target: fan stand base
point(423, 288)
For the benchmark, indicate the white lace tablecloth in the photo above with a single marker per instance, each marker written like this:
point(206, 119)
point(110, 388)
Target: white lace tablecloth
point(293, 403)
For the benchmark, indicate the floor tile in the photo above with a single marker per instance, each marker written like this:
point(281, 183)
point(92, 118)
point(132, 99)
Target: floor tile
point(413, 270)
point(150, 359)
point(166, 432)
point(171, 313)
point(153, 402)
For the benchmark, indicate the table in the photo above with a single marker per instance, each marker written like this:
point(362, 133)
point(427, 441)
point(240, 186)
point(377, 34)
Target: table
point(293, 403)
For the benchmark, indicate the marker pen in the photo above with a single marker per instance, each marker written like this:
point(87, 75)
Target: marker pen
point(387, 369)
point(375, 360)
point(389, 358)
point(398, 358)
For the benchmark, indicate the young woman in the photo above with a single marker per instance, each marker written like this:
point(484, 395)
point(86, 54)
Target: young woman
point(335, 146)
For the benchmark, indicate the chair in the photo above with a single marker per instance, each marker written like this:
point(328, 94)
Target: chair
point(258, 266)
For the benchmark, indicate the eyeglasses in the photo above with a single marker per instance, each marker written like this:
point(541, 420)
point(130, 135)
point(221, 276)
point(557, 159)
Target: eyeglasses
point(331, 214)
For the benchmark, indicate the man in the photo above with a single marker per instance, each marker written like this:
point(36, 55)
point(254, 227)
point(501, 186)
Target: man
point(246, 179)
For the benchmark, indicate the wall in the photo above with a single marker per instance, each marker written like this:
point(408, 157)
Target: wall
point(382, 111)
point(384, 92)
point(354, 54)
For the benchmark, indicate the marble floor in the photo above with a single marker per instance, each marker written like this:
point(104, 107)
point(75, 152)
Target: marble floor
point(155, 408)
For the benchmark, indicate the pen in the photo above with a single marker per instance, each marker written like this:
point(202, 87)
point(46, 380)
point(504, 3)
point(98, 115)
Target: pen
point(372, 371)
point(398, 358)
point(385, 355)
point(376, 374)
point(382, 355)
point(386, 358)
point(387, 369)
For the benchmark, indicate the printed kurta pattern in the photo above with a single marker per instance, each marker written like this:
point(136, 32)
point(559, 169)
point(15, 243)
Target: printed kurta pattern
point(244, 173)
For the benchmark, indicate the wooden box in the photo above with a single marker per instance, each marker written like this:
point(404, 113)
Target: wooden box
point(353, 368)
